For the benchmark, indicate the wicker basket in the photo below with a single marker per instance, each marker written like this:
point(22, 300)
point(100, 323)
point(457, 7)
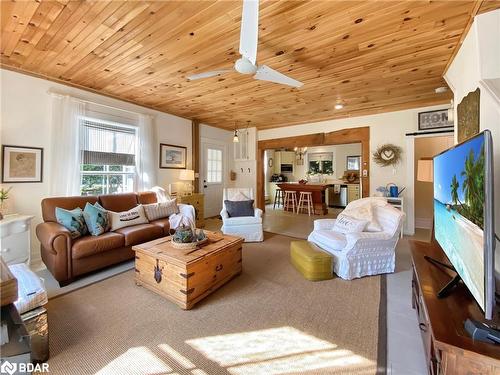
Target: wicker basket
point(189, 245)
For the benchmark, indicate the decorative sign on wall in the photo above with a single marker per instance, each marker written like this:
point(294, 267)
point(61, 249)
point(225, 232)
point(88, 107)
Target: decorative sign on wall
point(468, 116)
point(22, 164)
point(431, 120)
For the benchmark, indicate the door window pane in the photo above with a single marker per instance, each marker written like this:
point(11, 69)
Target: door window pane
point(214, 166)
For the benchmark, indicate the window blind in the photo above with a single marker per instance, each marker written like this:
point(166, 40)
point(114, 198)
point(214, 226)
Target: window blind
point(321, 156)
point(105, 144)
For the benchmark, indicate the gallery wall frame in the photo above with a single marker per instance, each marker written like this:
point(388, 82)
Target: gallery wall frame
point(172, 156)
point(22, 164)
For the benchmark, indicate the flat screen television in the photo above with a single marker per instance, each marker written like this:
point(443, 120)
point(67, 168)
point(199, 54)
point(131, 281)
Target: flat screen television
point(463, 214)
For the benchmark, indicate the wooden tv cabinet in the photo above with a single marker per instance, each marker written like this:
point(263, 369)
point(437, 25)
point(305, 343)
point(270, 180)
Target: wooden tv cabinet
point(448, 348)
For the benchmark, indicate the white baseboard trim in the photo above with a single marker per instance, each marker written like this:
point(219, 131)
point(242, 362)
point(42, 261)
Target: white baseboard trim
point(423, 222)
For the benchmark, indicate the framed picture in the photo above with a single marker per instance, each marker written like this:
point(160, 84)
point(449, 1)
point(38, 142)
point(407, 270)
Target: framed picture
point(22, 164)
point(431, 120)
point(353, 163)
point(172, 157)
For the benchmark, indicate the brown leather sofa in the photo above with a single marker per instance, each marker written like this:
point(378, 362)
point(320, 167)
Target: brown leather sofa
point(68, 259)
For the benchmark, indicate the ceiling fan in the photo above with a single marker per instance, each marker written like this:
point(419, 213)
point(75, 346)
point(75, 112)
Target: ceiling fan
point(246, 64)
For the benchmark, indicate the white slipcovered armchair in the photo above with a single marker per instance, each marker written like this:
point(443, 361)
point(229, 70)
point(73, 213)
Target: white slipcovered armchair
point(248, 227)
point(363, 253)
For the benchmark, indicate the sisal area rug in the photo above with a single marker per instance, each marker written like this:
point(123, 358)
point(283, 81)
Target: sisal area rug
point(268, 320)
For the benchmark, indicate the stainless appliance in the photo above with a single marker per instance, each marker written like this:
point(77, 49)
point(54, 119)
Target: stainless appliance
point(286, 168)
point(337, 196)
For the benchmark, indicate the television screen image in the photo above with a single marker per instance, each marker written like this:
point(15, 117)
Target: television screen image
point(462, 209)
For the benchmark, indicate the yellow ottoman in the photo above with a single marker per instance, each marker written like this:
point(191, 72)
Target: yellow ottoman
point(312, 262)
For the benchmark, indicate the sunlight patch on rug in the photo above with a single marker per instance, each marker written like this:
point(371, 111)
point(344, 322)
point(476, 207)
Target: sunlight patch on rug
point(140, 361)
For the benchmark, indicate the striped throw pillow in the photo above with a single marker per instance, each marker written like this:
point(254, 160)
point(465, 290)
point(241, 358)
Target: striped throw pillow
point(161, 210)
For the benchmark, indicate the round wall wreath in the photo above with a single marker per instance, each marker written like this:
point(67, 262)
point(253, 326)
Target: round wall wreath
point(387, 155)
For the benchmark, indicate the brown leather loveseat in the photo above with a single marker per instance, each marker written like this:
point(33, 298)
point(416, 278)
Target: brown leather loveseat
point(67, 259)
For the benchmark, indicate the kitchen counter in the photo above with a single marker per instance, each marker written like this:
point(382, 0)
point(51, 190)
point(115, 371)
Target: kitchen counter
point(317, 190)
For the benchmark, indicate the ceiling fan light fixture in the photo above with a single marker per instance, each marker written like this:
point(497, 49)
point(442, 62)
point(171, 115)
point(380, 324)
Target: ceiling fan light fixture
point(244, 66)
point(339, 106)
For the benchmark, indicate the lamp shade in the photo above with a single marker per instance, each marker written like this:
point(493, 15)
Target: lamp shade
point(425, 170)
point(186, 175)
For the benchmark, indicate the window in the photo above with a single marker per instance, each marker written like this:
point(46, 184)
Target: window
point(108, 153)
point(214, 166)
point(321, 163)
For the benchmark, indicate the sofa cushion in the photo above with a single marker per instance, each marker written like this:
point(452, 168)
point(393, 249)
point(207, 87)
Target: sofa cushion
point(134, 216)
point(161, 210)
point(243, 220)
point(146, 197)
point(164, 224)
point(328, 240)
point(348, 224)
point(118, 202)
point(68, 203)
point(239, 208)
point(73, 221)
point(91, 245)
point(96, 218)
point(140, 233)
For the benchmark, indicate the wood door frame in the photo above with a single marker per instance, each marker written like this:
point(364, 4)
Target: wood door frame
point(338, 137)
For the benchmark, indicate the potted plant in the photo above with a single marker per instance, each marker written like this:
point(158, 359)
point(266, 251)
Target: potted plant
point(4, 195)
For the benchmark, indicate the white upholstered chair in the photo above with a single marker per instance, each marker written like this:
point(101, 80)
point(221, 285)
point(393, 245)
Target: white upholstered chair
point(364, 253)
point(248, 227)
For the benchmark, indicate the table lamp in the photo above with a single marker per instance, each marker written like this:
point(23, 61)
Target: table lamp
point(187, 175)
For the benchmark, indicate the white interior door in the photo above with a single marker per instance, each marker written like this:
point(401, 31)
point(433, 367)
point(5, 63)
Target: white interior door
point(213, 173)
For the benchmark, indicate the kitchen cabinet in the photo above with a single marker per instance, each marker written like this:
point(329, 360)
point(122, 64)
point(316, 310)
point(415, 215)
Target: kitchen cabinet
point(352, 193)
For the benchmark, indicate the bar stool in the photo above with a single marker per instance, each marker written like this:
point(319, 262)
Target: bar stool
point(290, 200)
point(305, 197)
point(278, 198)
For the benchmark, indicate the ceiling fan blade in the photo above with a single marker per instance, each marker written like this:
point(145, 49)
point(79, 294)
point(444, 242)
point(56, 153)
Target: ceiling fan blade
point(249, 33)
point(213, 73)
point(265, 73)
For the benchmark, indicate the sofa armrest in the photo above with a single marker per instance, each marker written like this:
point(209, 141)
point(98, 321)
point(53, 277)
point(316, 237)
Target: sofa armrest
point(48, 234)
point(369, 241)
point(257, 212)
point(223, 214)
point(56, 245)
point(324, 224)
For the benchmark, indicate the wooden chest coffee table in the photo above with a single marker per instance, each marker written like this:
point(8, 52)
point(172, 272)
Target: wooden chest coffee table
point(187, 276)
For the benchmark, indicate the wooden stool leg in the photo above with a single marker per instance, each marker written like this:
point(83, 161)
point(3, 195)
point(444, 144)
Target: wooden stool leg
point(300, 203)
point(309, 204)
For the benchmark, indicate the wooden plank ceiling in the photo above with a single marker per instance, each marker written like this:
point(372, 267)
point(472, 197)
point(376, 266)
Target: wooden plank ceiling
point(371, 56)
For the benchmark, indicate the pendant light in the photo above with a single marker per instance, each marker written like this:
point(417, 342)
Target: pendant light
point(236, 139)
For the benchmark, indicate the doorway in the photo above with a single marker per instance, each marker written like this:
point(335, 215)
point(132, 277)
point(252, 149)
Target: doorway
point(346, 136)
point(212, 175)
point(426, 148)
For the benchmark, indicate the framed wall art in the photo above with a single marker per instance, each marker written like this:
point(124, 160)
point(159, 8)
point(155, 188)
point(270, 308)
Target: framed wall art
point(172, 157)
point(468, 116)
point(432, 120)
point(22, 164)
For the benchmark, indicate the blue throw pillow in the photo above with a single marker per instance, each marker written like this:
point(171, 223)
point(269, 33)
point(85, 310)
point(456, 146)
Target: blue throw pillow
point(96, 218)
point(239, 208)
point(72, 220)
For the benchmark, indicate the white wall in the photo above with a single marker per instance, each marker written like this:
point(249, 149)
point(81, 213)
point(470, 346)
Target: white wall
point(25, 121)
point(477, 64)
point(389, 127)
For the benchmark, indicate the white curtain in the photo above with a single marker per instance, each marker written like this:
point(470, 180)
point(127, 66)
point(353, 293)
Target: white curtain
point(146, 162)
point(65, 159)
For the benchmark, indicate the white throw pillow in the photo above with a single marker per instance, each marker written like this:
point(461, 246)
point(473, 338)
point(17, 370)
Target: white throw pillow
point(161, 210)
point(128, 218)
point(346, 224)
point(365, 212)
